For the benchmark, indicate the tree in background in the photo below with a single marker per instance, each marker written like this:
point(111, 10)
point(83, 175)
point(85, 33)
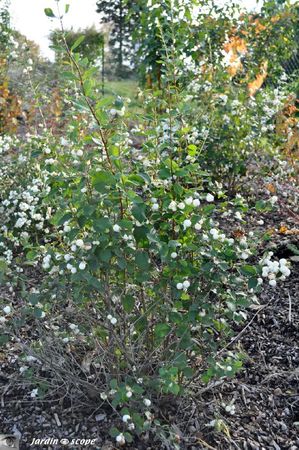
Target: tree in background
point(5, 31)
point(28, 68)
point(249, 42)
point(89, 43)
point(10, 104)
point(91, 46)
point(123, 15)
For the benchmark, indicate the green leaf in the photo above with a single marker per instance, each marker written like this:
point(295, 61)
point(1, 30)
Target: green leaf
point(142, 260)
point(65, 218)
point(82, 220)
point(31, 255)
point(174, 388)
point(90, 72)
point(128, 437)
point(136, 179)
point(105, 101)
point(102, 224)
point(4, 339)
point(175, 317)
point(114, 432)
point(88, 210)
point(67, 8)
point(128, 302)
point(103, 179)
point(294, 249)
point(248, 270)
point(88, 86)
point(38, 313)
point(164, 173)
point(140, 234)
point(252, 283)
point(67, 75)
point(3, 266)
point(121, 262)
point(77, 42)
point(34, 299)
point(49, 12)
point(139, 213)
point(141, 323)
point(161, 330)
point(261, 205)
point(171, 164)
point(192, 150)
point(142, 277)
point(81, 105)
point(95, 283)
point(208, 375)
point(188, 372)
point(113, 384)
point(105, 255)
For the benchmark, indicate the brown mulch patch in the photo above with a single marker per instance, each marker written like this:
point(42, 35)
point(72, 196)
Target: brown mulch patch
point(265, 393)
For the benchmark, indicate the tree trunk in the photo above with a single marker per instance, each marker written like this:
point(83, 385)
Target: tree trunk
point(120, 53)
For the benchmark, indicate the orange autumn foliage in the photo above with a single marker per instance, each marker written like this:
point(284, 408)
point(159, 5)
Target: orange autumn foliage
point(287, 126)
point(236, 46)
point(10, 109)
point(10, 104)
point(271, 188)
point(284, 230)
point(257, 83)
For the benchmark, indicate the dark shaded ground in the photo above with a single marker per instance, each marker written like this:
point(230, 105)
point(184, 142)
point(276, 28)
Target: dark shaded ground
point(265, 394)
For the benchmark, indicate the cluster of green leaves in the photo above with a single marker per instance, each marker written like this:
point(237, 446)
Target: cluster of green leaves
point(232, 126)
point(90, 40)
point(5, 29)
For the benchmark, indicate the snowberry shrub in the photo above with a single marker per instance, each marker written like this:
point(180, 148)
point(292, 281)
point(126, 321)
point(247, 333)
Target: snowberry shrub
point(138, 271)
point(218, 55)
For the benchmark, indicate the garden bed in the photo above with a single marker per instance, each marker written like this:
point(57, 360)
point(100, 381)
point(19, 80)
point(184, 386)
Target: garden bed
point(259, 409)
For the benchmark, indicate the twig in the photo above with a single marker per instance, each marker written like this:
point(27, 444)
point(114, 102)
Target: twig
point(243, 395)
point(211, 386)
point(202, 442)
point(236, 338)
point(57, 420)
point(290, 308)
point(89, 104)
